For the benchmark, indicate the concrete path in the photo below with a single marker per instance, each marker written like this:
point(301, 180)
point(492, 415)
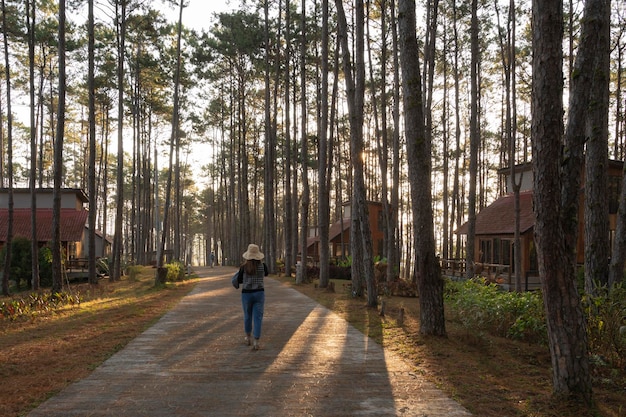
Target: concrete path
point(193, 362)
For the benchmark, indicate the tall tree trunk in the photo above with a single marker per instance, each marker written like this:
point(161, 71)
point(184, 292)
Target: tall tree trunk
point(323, 174)
point(618, 252)
point(34, 244)
point(93, 200)
point(507, 53)
point(6, 274)
point(57, 266)
point(161, 272)
point(269, 215)
point(456, 211)
point(446, 152)
point(120, 16)
point(290, 212)
point(360, 230)
point(393, 268)
point(429, 280)
point(598, 19)
point(474, 144)
point(555, 205)
point(304, 150)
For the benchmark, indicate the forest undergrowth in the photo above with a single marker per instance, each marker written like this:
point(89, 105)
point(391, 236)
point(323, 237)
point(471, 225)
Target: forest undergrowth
point(494, 360)
point(490, 368)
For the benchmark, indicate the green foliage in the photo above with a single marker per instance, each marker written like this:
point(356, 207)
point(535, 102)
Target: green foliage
point(36, 304)
point(175, 271)
point(102, 266)
point(133, 272)
point(45, 266)
point(606, 318)
point(482, 306)
point(379, 258)
point(21, 263)
point(345, 262)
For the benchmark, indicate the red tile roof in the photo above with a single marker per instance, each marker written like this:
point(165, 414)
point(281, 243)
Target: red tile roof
point(499, 217)
point(73, 224)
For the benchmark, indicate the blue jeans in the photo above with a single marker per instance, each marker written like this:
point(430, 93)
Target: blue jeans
point(253, 305)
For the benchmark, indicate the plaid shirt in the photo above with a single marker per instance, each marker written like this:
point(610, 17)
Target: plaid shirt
point(252, 283)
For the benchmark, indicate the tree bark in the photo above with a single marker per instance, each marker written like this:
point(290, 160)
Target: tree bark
point(57, 261)
point(93, 201)
point(34, 244)
point(116, 268)
point(553, 217)
point(360, 231)
point(6, 274)
point(597, 25)
point(429, 280)
point(304, 157)
point(323, 174)
point(474, 142)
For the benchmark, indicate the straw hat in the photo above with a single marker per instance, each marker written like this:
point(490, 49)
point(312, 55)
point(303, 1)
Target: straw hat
point(253, 252)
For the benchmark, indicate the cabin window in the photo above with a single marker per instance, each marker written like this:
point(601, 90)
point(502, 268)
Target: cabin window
point(496, 251)
point(485, 251)
point(72, 250)
point(506, 249)
point(534, 264)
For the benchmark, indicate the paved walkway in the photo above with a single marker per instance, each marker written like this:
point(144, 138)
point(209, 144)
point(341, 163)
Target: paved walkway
point(193, 362)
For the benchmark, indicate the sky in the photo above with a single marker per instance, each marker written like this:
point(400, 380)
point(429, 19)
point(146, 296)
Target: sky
point(199, 14)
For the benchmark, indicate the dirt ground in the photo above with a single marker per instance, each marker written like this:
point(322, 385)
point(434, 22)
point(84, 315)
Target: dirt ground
point(489, 376)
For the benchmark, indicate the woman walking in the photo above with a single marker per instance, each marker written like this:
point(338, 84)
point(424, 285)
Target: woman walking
point(253, 294)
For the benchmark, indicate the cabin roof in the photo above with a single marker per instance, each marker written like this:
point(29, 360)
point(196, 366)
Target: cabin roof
point(72, 224)
point(499, 217)
point(333, 232)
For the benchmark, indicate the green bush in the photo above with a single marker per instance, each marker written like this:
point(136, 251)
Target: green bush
point(36, 304)
point(175, 271)
point(102, 266)
point(133, 272)
point(606, 318)
point(21, 263)
point(482, 306)
point(345, 262)
point(45, 266)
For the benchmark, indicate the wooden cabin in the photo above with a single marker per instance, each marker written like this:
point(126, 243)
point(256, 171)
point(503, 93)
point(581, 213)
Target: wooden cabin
point(74, 221)
point(339, 234)
point(495, 230)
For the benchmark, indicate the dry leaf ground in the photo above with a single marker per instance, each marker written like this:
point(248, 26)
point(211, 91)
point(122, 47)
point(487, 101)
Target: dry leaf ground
point(488, 375)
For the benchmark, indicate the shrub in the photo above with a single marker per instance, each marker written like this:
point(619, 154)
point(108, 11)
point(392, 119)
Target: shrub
point(312, 273)
point(345, 262)
point(21, 263)
point(36, 304)
point(606, 318)
point(339, 272)
point(175, 271)
point(482, 306)
point(102, 266)
point(45, 266)
point(133, 272)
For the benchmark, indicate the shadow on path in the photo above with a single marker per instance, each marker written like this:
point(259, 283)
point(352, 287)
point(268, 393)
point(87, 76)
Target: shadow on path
point(193, 362)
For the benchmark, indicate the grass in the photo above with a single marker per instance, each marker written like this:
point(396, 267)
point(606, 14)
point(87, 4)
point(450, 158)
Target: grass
point(41, 355)
point(488, 375)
